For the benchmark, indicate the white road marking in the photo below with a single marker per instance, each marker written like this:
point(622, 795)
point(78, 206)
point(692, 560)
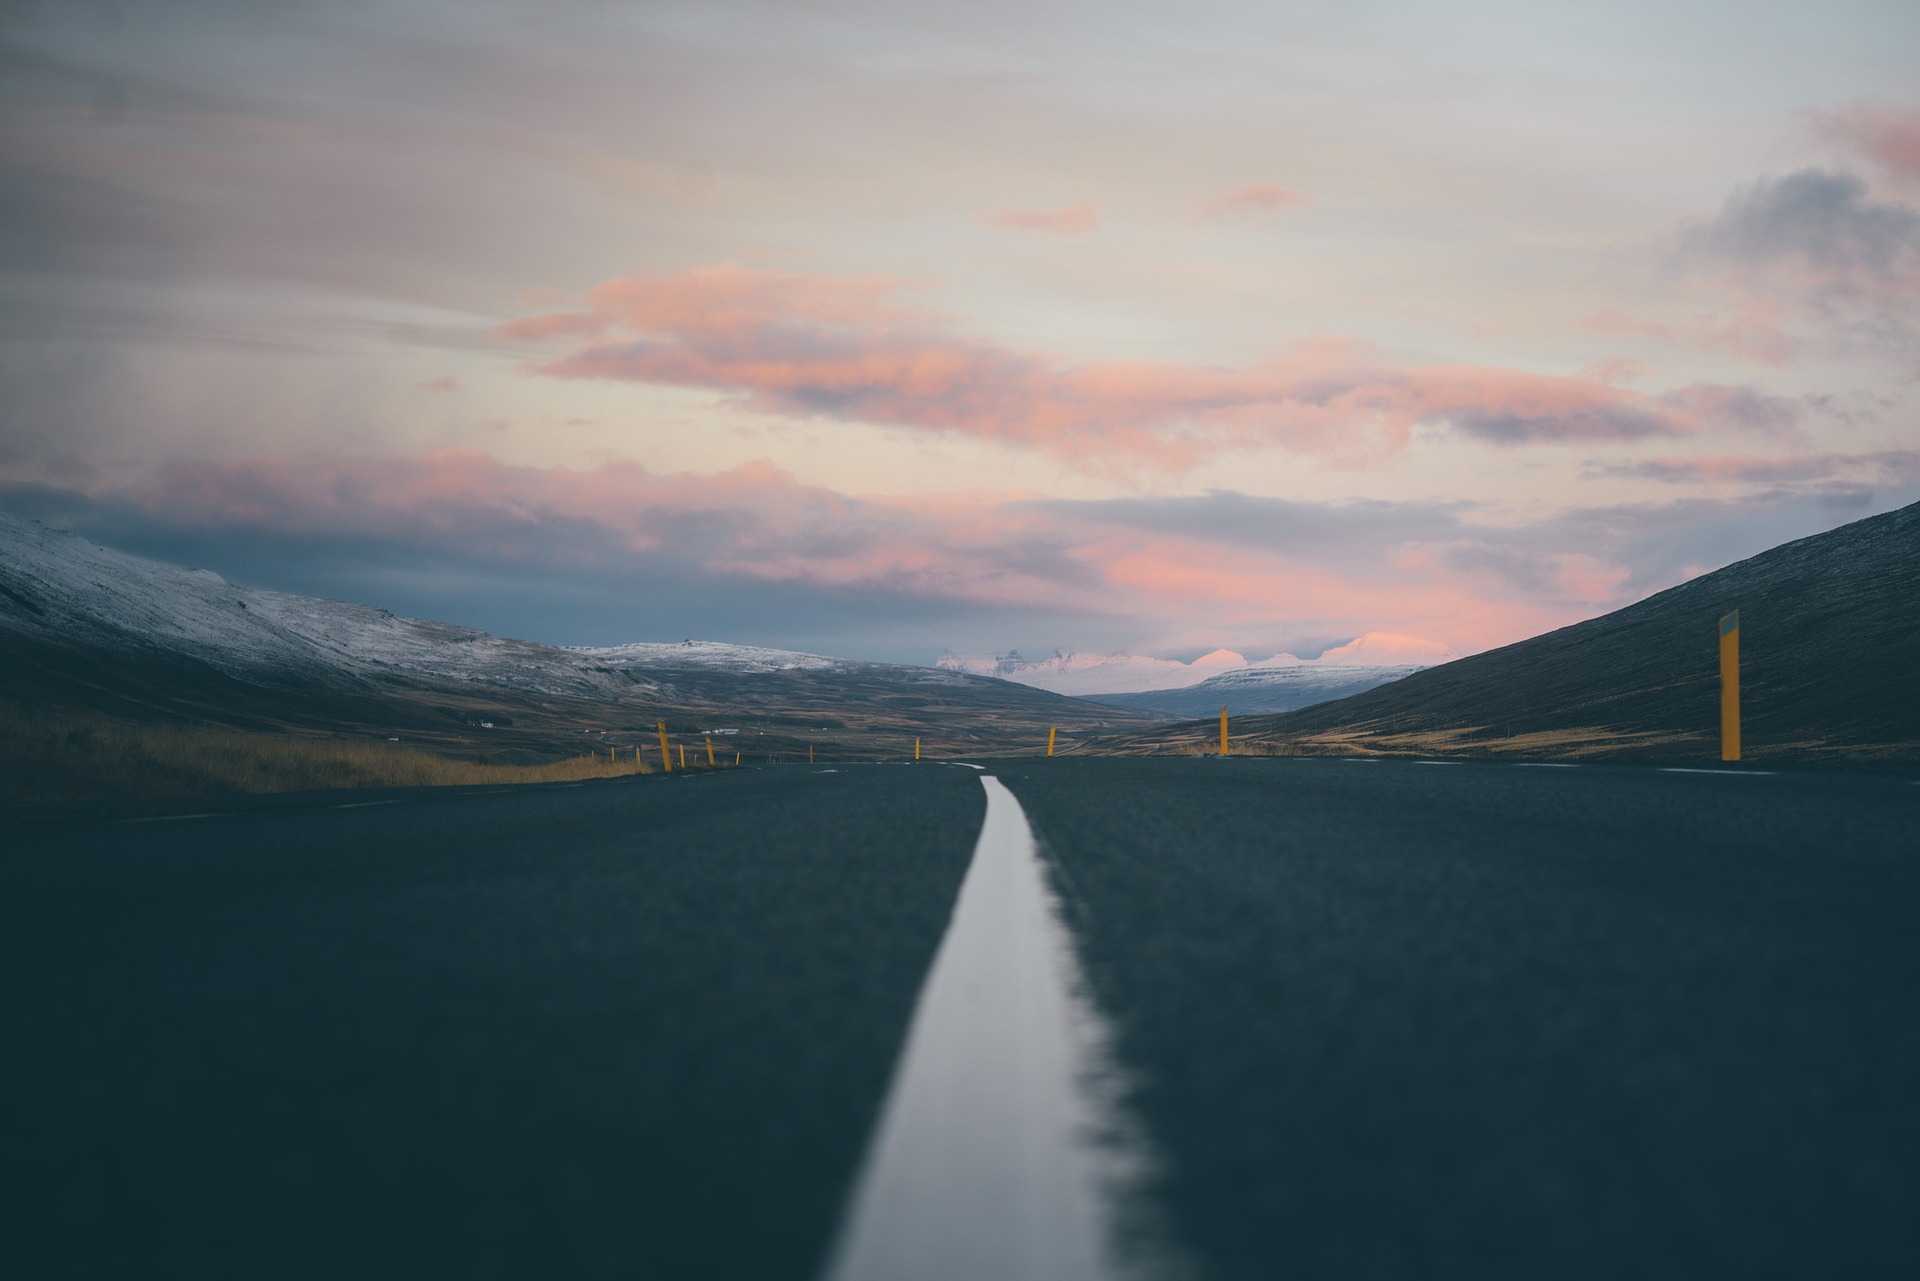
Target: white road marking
point(988, 1162)
point(360, 805)
point(1724, 773)
point(1439, 762)
point(1545, 765)
point(969, 765)
point(175, 818)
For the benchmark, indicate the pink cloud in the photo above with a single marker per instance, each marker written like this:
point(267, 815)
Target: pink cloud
point(1258, 197)
point(442, 384)
point(1070, 221)
point(1889, 136)
point(839, 348)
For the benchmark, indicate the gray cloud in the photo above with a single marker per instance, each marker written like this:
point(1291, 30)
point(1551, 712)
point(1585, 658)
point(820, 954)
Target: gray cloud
point(1819, 220)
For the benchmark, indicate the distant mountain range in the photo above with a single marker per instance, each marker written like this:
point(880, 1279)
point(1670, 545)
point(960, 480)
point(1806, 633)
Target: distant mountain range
point(1830, 668)
point(84, 628)
point(1254, 690)
point(1161, 684)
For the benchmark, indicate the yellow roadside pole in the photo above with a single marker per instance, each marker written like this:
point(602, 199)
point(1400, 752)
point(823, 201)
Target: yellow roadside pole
point(736, 758)
point(683, 756)
point(1050, 732)
point(709, 751)
point(666, 761)
point(1730, 687)
point(916, 749)
point(1223, 729)
point(809, 753)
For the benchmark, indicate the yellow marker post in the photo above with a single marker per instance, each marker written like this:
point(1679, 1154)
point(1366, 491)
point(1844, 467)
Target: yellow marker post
point(916, 749)
point(1223, 729)
point(1050, 731)
point(1730, 687)
point(709, 751)
point(809, 753)
point(683, 756)
point(736, 758)
point(666, 761)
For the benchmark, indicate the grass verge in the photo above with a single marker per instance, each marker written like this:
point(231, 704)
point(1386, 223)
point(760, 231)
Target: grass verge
point(52, 757)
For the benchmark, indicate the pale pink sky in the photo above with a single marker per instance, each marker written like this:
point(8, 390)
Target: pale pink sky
point(880, 329)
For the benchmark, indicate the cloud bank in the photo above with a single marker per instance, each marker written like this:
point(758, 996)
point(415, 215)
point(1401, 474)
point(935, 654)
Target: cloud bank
point(617, 552)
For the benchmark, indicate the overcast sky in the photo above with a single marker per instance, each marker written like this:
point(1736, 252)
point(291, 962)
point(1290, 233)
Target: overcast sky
point(877, 329)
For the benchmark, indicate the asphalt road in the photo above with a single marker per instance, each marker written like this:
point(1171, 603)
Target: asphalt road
point(1488, 1021)
point(1381, 1020)
point(637, 1029)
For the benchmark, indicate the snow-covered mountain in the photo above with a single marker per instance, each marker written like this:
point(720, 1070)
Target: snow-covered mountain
point(1100, 675)
point(89, 629)
point(59, 584)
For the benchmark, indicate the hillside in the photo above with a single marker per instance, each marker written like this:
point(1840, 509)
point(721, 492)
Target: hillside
point(1830, 652)
point(88, 630)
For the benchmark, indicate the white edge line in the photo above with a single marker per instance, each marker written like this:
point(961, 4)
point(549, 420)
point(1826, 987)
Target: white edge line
point(994, 1158)
point(1723, 773)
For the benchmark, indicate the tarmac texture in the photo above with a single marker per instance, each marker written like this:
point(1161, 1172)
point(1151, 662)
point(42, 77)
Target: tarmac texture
point(1379, 1019)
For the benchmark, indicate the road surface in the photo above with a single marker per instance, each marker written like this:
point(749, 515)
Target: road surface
point(1367, 1019)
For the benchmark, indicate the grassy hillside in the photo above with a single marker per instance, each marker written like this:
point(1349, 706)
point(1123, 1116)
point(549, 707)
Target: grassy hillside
point(1830, 667)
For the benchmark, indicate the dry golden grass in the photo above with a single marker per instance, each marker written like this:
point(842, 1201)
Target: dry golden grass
point(47, 758)
point(1575, 743)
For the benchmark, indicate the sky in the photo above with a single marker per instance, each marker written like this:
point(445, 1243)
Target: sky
point(884, 329)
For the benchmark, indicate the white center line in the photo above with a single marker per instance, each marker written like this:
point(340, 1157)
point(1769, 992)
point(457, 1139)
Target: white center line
point(988, 1163)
